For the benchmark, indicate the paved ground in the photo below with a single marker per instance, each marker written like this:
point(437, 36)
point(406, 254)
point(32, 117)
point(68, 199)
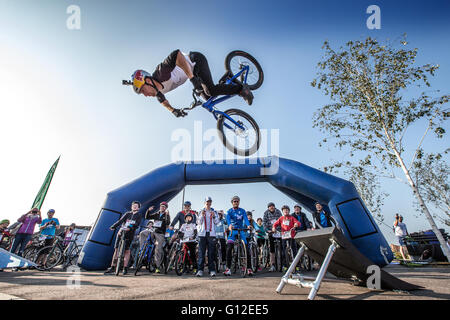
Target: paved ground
point(94, 285)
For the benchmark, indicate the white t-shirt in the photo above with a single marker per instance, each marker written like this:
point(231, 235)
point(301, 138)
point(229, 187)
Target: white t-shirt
point(400, 229)
point(177, 76)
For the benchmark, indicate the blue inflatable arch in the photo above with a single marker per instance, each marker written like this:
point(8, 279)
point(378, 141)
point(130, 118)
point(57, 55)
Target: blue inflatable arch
point(302, 183)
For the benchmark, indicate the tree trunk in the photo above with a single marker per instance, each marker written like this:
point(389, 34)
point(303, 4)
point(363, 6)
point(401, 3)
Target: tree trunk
point(444, 246)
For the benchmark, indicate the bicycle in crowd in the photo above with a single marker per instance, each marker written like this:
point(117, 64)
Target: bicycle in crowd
point(183, 260)
point(145, 256)
point(65, 252)
point(253, 251)
point(239, 254)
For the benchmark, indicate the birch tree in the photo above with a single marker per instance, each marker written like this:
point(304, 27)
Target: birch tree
point(371, 87)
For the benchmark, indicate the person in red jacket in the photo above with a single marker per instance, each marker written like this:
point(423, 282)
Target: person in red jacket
point(288, 224)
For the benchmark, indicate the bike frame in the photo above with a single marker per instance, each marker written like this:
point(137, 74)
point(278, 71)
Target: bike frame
point(212, 101)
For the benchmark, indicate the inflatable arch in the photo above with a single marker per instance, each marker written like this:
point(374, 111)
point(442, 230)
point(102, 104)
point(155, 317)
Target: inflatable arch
point(305, 185)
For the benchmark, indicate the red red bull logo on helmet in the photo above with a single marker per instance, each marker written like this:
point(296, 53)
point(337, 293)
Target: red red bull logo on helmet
point(138, 75)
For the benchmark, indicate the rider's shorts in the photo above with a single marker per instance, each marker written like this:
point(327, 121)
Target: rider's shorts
point(232, 237)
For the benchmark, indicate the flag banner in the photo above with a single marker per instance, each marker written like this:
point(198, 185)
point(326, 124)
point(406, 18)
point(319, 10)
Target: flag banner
point(39, 200)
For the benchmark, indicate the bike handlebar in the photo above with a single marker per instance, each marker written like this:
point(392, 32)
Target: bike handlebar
point(197, 102)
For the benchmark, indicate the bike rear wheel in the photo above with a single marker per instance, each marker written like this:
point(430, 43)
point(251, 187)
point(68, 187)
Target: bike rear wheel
point(243, 142)
point(278, 262)
point(253, 256)
point(242, 254)
point(236, 60)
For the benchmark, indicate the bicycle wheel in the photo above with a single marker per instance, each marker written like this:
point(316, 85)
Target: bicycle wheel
point(243, 142)
point(254, 257)
point(30, 253)
point(180, 263)
point(236, 60)
point(171, 258)
point(54, 257)
point(242, 251)
point(121, 253)
point(140, 259)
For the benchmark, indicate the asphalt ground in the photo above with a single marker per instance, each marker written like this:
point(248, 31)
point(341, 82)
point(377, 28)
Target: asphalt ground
point(38, 285)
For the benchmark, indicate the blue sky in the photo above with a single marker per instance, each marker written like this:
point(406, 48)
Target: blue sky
point(61, 90)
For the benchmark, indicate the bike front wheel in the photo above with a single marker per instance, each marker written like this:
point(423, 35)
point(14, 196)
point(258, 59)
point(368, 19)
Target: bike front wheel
point(237, 60)
point(180, 263)
point(242, 137)
point(120, 256)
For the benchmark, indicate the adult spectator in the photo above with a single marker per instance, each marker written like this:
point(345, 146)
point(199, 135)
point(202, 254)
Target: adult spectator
point(322, 219)
point(26, 230)
point(301, 217)
point(68, 233)
point(236, 219)
point(161, 222)
point(400, 232)
point(128, 224)
point(179, 218)
point(4, 234)
point(271, 215)
point(48, 229)
point(206, 226)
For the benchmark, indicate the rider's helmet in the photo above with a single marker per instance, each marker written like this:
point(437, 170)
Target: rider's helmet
point(137, 202)
point(235, 198)
point(138, 79)
point(189, 215)
point(187, 203)
point(164, 204)
point(270, 204)
point(285, 207)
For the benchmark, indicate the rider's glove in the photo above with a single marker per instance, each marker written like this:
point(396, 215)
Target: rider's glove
point(197, 83)
point(178, 113)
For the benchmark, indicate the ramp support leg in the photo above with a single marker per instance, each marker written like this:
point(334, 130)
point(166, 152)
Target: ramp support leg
point(323, 270)
point(291, 269)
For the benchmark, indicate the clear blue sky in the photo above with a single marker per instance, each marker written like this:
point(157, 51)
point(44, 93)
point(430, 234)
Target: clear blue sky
point(61, 93)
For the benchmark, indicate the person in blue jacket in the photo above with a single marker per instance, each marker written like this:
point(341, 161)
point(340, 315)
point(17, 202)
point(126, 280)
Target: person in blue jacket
point(236, 219)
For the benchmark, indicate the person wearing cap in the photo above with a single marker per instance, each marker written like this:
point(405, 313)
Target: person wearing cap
point(48, 229)
point(271, 215)
point(288, 224)
point(400, 232)
point(26, 230)
point(179, 218)
point(321, 217)
point(3, 231)
point(68, 233)
point(206, 226)
point(236, 219)
point(161, 220)
point(301, 217)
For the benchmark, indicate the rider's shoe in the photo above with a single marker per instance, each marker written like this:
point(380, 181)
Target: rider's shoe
point(157, 270)
point(285, 269)
point(250, 272)
point(259, 269)
point(199, 273)
point(212, 274)
point(247, 94)
point(125, 271)
point(272, 269)
point(109, 270)
point(194, 271)
point(227, 272)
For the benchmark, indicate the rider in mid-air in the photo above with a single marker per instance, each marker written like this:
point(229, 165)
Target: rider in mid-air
point(175, 70)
